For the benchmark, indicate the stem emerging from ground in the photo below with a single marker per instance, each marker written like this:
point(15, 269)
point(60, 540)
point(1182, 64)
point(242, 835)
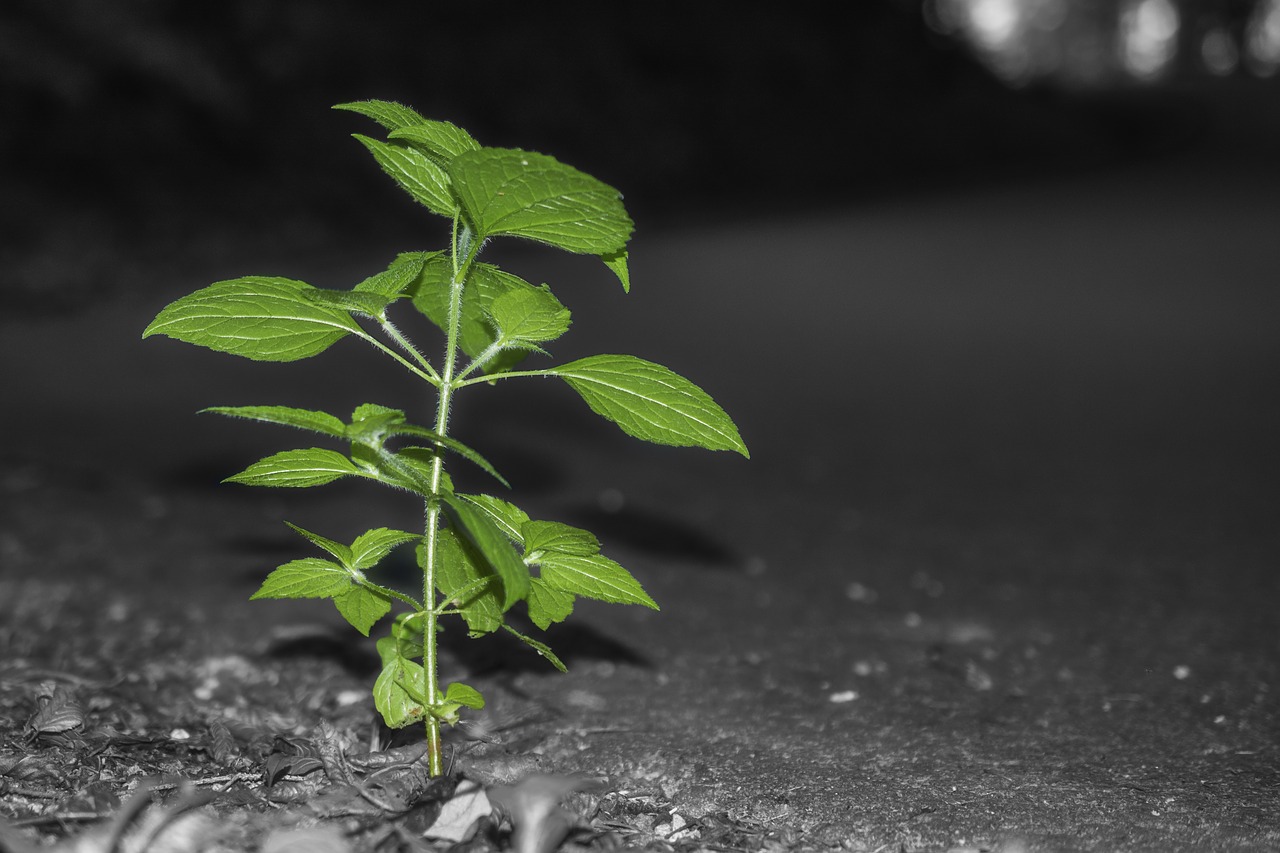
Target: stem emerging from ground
point(464, 251)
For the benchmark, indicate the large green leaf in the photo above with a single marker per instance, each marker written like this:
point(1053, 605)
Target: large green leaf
point(416, 173)
point(524, 194)
point(389, 114)
point(440, 140)
point(469, 583)
point(313, 466)
point(593, 576)
point(257, 317)
point(650, 402)
point(553, 536)
point(509, 517)
point(493, 545)
point(308, 419)
point(310, 577)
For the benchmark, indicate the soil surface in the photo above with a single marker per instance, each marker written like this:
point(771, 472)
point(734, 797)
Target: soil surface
point(1000, 575)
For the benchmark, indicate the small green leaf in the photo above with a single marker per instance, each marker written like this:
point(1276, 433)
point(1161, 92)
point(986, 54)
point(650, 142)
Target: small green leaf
point(389, 114)
point(539, 647)
point(529, 315)
point(321, 422)
point(395, 279)
point(456, 571)
point(485, 284)
point(617, 262)
point(403, 642)
point(356, 302)
point(397, 705)
point(261, 318)
point(490, 542)
point(650, 402)
point(524, 194)
point(548, 604)
point(296, 469)
point(439, 140)
point(464, 694)
point(507, 516)
point(371, 423)
point(335, 549)
point(416, 173)
point(310, 577)
point(542, 536)
point(372, 546)
point(362, 607)
point(595, 577)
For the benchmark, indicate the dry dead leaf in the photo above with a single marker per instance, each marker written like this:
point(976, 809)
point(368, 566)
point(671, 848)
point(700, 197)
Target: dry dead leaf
point(458, 818)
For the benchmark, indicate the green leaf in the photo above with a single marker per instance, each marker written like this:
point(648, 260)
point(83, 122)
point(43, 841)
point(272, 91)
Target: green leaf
point(403, 642)
point(372, 546)
point(362, 607)
point(529, 315)
point(356, 302)
point(490, 542)
point(335, 549)
point(395, 279)
point(539, 647)
point(453, 444)
point(650, 402)
point(440, 140)
point(416, 173)
point(321, 422)
point(523, 194)
point(463, 694)
point(296, 469)
point(397, 705)
point(542, 536)
point(456, 571)
point(507, 516)
point(485, 284)
point(389, 114)
point(265, 319)
point(310, 577)
point(595, 577)
point(617, 262)
point(548, 604)
point(370, 422)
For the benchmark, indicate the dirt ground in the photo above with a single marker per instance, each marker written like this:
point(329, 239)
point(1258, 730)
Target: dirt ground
point(1001, 574)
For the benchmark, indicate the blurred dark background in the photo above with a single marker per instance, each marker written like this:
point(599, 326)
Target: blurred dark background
point(154, 133)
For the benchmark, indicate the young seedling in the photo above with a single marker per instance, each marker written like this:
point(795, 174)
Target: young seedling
point(480, 555)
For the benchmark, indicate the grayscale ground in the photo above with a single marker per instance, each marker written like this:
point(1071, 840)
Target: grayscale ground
point(1000, 575)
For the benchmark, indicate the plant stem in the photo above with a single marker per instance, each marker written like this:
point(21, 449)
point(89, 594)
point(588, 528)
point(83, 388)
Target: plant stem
point(464, 245)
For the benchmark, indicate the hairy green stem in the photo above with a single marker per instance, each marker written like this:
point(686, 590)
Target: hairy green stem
point(429, 374)
point(405, 344)
point(466, 247)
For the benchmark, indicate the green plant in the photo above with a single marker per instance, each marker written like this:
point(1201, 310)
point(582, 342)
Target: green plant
point(476, 551)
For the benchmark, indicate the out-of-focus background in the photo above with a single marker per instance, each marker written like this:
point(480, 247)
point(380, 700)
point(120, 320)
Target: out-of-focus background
point(142, 136)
